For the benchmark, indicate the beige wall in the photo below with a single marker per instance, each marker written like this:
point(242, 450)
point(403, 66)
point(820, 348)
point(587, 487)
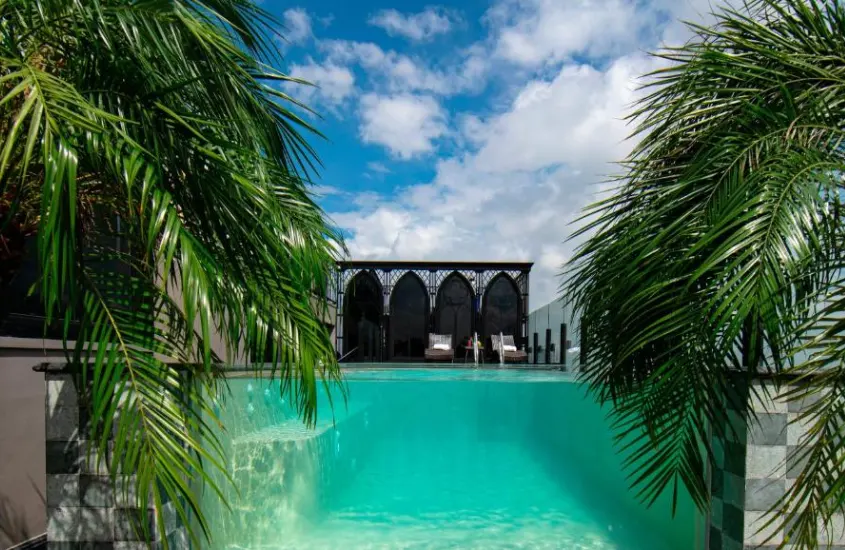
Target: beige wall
point(22, 454)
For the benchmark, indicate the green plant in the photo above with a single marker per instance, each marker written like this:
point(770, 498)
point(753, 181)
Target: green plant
point(721, 251)
point(171, 177)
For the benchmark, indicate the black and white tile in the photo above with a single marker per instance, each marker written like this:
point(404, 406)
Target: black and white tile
point(84, 511)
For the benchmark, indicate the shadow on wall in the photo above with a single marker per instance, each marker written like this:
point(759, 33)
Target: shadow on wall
point(13, 524)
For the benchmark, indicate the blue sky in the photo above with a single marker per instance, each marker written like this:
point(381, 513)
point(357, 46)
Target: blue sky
point(471, 130)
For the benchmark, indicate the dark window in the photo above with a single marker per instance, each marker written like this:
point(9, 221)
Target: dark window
point(362, 318)
point(453, 310)
point(408, 318)
point(501, 308)
point(21, 307)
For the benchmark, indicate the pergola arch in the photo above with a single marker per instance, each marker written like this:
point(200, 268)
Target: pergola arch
point(454, 308)
point(409, 314)
point(362, 312)
point(501, 307)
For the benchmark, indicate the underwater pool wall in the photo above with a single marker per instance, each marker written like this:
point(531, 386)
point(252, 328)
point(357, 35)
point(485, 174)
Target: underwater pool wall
point(602, 474)
point(274, 457)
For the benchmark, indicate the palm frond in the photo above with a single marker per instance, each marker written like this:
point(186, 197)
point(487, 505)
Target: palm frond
point(723, 232)
point(173, 181)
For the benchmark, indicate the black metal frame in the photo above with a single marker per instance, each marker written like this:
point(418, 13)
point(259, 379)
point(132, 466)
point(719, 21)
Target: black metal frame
point(387, 273)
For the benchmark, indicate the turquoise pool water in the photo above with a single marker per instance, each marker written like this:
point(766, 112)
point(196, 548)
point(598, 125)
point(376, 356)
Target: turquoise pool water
point(434, 459)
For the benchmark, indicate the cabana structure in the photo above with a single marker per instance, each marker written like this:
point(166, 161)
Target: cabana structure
point(387, 309)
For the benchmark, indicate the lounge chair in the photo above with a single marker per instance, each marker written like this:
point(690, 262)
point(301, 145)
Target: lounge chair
point(507, 347)
point(440, 348)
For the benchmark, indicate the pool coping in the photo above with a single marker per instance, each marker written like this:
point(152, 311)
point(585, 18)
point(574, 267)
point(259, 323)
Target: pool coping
point(267, 370)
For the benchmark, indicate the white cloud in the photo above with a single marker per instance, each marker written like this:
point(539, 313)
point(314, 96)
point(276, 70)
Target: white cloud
point(296, 25)
point(332, 83)
point(326, 190)
point(533, 32)
point(416, 26)
point(574, 119)
point(394, 72)
point(378, 167)
point(407, 125)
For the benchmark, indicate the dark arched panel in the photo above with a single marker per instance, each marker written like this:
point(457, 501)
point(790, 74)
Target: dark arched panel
point(453, 309)
point(408, 319)
point(362, 318)
point(501, 308)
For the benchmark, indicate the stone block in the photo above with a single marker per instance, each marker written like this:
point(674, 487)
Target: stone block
point(797, 406)
point(768, 429)
point(764, 399)
point(130, 523)
point(717, 483)
point(834, 531)
point(796, 460)
point(715, 538)
point(736, 429)
point(718, 448)
point(763, 494)
point(60, 392)
point(716, 507)
point(734, 490)
point(96, 491)
point(62, 490)
point(765, 462)
point(63, 424)
point(757, 532)
point(85, 424)
point(735, 456)
point(96, 524)
point(93, 461)
point(732, 523)
point(170, 517)
point(63, 524)
point(62, 457)
point(797, 430)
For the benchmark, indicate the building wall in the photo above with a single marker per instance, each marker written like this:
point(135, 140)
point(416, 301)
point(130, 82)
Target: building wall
point(22, 436)
point(551, 316)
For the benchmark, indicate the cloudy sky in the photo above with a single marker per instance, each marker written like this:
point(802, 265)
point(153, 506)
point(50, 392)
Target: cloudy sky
point(471, 130)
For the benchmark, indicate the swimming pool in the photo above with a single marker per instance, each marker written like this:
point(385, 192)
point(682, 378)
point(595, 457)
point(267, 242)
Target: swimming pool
point(434, 459)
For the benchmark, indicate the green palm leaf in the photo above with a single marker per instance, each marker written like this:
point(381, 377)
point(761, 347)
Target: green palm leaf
point(172, 177)
point(722, 239)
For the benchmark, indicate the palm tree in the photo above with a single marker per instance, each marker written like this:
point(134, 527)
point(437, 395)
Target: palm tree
point(720, 254)
point(169, 178)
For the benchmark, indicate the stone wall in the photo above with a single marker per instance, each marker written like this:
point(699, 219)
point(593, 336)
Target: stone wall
point(84, 511)
point(755, 465)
